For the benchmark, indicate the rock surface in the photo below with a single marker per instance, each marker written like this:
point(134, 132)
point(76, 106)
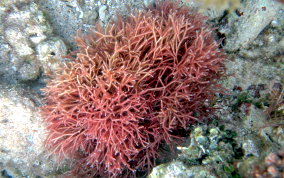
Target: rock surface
point(254, 16)
point(210, 153)
point(25, 30)
point(22, 134)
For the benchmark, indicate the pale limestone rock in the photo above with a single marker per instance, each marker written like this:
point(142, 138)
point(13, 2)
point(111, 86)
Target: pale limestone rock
point(50, 53)
point(22, 135)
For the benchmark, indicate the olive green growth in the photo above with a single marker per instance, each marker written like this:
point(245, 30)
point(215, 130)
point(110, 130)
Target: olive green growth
point(214, 148)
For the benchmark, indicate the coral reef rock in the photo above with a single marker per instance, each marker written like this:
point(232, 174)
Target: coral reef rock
point(210, 154)
point(253, 16)
point(21, 136)
point(25, 31)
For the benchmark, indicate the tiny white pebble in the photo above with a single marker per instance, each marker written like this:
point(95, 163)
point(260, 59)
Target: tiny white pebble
point(102, 12)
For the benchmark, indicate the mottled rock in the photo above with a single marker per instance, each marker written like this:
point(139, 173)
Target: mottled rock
point(22, 134)
point(27, 44)
point(178, 169)
point(9, 3)
point(19, 42)
point(64, 17)
point(255, 118)
point(50, 54)
point(5, 64)
point(252, 18)
point(268, 46)
point(29, 71)
point(103, 13)
point(251, 148)
point(209, 154)
point(278, 135)
point(29, 23)
point(90, 17)
point(247, 72)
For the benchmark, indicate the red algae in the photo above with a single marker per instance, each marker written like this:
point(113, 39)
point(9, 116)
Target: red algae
point(131, 87)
